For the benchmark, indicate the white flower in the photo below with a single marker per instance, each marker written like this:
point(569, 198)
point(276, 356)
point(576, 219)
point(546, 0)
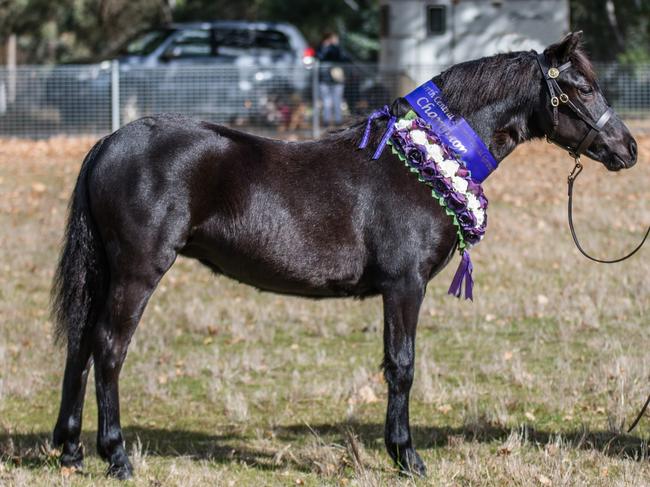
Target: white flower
point(479, 215)
point(459, 184)
point(435, 153)
point(448, 167)
point(419, 137)
point(403, 123)
point(472, 202)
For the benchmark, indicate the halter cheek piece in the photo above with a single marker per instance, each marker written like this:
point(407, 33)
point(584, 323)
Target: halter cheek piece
point(551, 75)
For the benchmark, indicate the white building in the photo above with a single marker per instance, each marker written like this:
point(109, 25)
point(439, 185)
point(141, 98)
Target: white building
point(422, 37)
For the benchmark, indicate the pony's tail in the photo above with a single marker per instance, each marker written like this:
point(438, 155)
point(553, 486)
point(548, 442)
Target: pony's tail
point(81, 277)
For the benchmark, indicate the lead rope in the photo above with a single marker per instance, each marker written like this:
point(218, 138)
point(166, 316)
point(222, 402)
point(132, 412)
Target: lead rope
point(577, 169)
point(571, 180)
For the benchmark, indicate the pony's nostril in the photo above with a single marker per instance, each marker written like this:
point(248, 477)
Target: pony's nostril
point(633, 149)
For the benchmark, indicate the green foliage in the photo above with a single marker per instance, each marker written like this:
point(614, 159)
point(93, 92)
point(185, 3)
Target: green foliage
point(614, 29)
point(68, 30)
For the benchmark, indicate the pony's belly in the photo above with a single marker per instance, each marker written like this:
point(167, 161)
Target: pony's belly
point(286, 270)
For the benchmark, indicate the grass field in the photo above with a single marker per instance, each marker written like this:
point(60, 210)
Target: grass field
point(529, 385)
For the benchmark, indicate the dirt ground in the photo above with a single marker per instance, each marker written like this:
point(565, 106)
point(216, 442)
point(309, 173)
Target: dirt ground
point(531, 384)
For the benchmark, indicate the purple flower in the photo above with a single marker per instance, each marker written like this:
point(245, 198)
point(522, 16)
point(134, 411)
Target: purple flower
point(442, 185)
point(473, 187)
point(456, 201)
point(466, 219)
point(462, 172)
point(414, 155)
point(428, 172)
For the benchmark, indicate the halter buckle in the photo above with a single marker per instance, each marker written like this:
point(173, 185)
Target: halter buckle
point(553, 72)
point(564, 97)
point(555, 101)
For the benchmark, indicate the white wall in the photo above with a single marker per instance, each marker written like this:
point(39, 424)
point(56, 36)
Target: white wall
point(475, 28)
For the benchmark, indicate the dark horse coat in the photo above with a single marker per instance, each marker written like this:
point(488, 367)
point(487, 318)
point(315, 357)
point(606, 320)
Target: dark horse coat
point(314, 219)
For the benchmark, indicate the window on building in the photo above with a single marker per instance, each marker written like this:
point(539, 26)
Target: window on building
point(436, 19)
point(384, 21)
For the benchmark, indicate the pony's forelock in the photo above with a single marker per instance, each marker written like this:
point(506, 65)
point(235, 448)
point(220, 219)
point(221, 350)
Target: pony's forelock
point(582, 64)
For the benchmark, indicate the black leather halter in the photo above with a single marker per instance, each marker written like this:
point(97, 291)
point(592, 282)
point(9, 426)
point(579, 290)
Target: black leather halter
point(551, 75)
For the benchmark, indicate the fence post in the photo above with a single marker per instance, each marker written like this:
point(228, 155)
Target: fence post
point(315, 117)
point(115, 95)
point(11, 69)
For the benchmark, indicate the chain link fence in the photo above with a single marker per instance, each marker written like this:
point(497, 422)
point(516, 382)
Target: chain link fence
point(44, 101)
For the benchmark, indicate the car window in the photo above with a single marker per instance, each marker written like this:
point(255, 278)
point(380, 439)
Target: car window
point(146, 43)
point(271, 39)
point(190, 43)
point(231, 40)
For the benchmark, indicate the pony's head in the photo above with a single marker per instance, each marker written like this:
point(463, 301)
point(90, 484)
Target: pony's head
point(575, 113)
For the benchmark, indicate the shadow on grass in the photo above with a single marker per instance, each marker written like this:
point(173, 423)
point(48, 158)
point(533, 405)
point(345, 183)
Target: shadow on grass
point(30, 450)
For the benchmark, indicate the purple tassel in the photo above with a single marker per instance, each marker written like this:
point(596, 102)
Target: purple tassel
point(464, 272)
point(390, 127)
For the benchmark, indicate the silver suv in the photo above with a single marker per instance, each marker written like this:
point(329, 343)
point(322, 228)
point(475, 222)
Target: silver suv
point(173, 69)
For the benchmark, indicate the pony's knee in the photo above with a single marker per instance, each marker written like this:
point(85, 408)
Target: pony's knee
point(399, 377)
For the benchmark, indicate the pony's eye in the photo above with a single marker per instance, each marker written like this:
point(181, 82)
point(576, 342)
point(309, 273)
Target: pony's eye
point(585, 90)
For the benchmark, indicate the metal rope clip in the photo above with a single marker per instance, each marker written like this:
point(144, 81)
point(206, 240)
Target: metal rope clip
point(577, 169)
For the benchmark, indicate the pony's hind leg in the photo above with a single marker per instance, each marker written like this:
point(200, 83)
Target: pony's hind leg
point(127, 298)
point(68, 425)
point(136, 269)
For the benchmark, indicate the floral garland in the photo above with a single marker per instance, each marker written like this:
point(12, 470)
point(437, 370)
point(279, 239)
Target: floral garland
point(415, 143)
point(424, 153)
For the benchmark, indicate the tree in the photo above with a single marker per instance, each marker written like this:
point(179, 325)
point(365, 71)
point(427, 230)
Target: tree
point(614, 29)
point(66, 30)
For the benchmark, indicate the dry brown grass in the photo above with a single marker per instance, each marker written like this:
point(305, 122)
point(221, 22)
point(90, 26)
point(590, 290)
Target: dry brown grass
point(529, 385)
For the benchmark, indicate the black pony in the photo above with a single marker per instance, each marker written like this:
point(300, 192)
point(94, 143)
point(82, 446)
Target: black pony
point(316, 219)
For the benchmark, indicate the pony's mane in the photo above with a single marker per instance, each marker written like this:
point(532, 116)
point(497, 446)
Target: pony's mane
point(470, 85)
point(473, 84)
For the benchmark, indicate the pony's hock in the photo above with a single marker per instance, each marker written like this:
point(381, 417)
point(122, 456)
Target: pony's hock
point(315, 219)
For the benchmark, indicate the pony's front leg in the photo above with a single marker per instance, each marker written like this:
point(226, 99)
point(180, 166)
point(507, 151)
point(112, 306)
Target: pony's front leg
point(402, 302)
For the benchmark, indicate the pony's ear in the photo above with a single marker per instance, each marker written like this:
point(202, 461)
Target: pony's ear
point(562, 51)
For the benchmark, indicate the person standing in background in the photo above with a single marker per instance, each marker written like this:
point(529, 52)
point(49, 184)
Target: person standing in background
point(331, 78)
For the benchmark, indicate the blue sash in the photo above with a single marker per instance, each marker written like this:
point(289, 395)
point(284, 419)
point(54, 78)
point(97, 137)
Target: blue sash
point(426, 100)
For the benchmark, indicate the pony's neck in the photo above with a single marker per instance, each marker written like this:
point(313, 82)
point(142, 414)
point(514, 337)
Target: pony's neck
point(498, 96)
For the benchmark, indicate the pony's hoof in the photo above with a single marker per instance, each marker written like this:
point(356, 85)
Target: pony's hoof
point(411, 464)
point(73, 460)
point(121, 469)
point(120, 472)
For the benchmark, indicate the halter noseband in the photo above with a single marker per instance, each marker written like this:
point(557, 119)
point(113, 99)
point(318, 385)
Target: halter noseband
point(551, 74)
